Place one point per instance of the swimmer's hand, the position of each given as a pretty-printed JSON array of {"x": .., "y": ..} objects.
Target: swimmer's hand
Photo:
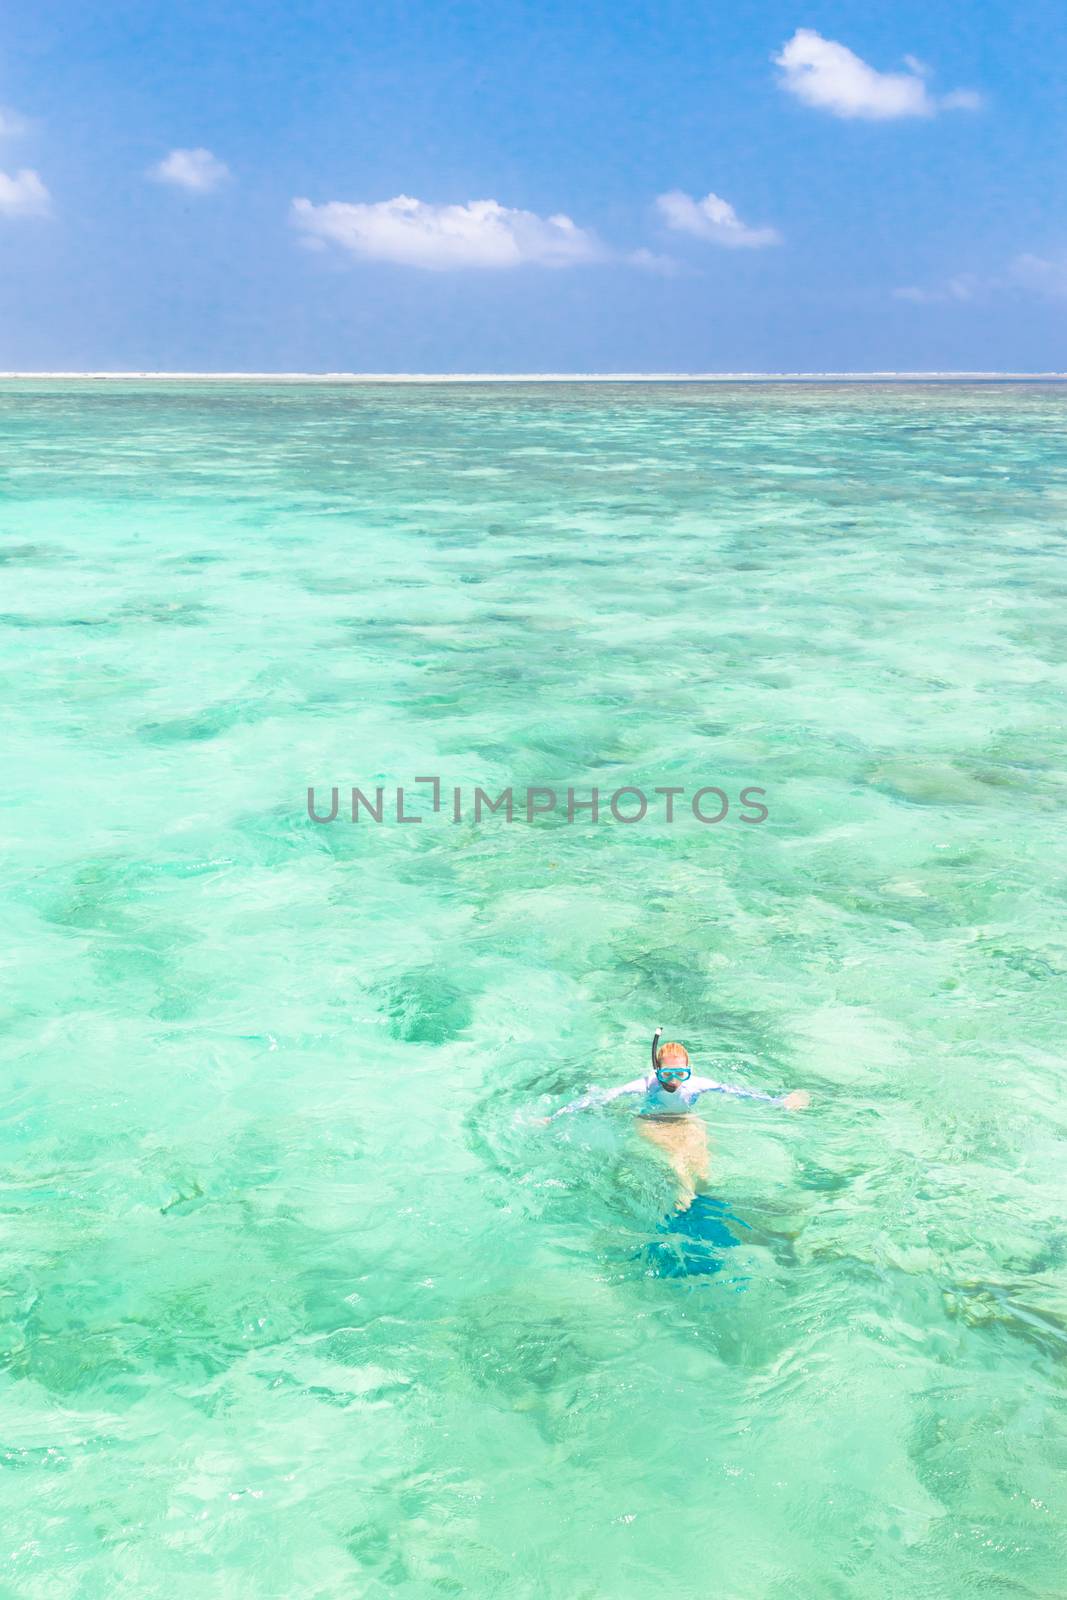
[{"x": 796, "y": 1100}]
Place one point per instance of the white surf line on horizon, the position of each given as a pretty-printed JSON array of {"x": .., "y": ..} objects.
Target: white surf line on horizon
[{"x": 543, "y": 377}]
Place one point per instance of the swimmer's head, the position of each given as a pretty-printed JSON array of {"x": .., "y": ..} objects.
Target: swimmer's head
[
  {"x": 672, "y": 1065},
  {"x": 673, "y": 1052}
]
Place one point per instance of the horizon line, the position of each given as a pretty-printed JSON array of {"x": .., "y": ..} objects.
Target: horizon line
[{"x": 542, "y": 377}]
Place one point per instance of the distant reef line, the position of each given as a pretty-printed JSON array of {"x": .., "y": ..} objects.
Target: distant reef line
[{"x": 542, "y": 377}]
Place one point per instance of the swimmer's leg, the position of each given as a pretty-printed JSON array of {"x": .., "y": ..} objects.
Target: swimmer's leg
[
  {"x": 684, "y": 1141},
  {"x": 699, "y": 1159},
  {"x": 695, "y": 1152}
]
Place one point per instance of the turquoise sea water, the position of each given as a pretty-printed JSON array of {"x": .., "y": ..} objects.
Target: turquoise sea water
[{"x": 298, "y": 1297}]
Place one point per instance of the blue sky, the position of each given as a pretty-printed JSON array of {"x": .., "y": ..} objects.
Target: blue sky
[{"x": 886, "y": 185}]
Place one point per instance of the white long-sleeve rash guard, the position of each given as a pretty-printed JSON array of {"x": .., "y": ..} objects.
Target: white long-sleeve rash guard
[{"x": 657, "y": 1102}]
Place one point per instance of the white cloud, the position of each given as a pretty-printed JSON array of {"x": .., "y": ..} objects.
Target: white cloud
[
  {"x": 1044, "y": 276},
  {"x": 966, "y": 286},
  {"x": 11, "y": 124},
  {"x": 24, "y": 195},
  {"x": 829, "y": 75},
  {"x": 961, "y": 100},
  {"x": 712, "y": 219},
  {"x": 651, "y": 261},
  {"x": 1040, "y": 274},
  {"x": 413, "y": 233},
  {"x": 197, "y": 170}
]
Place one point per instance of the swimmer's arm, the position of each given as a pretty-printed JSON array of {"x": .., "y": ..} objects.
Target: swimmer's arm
[
  {"x": 794, "y": 1101},
  {"x": 600, "y": 1097}
]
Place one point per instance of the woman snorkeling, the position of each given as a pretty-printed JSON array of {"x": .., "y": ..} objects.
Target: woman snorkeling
[{"x": 665, "y": 1114}]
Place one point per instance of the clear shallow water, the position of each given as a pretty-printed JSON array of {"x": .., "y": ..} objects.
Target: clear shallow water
[{"x": 263, "y": 1338}]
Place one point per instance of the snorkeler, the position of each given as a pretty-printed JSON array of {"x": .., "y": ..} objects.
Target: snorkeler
[{"x": 664, "y": 1116}]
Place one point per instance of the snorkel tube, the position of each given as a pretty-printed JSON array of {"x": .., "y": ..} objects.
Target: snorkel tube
[{"x": 655, "y": 1050}]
